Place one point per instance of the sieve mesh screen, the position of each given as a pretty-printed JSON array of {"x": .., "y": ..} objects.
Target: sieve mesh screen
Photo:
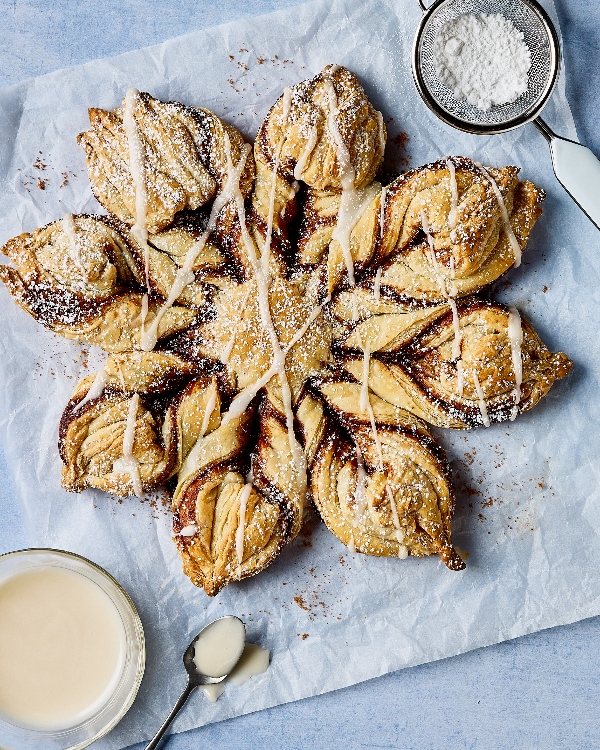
[{"x": 540, "y": 39}]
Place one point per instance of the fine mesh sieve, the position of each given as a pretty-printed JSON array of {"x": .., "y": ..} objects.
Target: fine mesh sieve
[
  {"x": 575, "y": 166},
  {"x": 539, "y": 36}
]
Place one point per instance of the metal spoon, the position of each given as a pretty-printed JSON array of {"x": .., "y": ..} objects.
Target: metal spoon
[{"x": 195, "y": 679}]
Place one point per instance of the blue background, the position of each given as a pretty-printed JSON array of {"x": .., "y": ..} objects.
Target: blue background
[{"x": 535, "y": 692}]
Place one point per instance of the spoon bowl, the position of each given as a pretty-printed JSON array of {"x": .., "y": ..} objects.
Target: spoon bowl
[{"x": 194, "y": 673}]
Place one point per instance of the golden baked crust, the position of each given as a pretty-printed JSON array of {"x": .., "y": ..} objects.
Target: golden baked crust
[
  {"x": 183, "y": 156},
  {"x": 209, "y": 492},
  {"x": 91, "y": 431},
  {"x": 304, "y": 148},
  {"x": 308, "y": 320},
  {"x": 411, "y": 364},
  {"x": 402, "y": 500},
  {"x": 469, "y": 257},
  {"x": 85, "y": 288}
]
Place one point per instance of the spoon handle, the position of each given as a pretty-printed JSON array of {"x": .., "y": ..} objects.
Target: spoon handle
[
  {"x": 577, "y": 169},
  {"x": 153, "y": 744}
]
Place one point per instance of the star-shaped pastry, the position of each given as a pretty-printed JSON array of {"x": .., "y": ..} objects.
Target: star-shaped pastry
[{"x": 281, "y": 326}]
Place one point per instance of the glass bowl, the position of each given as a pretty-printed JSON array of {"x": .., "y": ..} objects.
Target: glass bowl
[{"x": 107, "y": 716}]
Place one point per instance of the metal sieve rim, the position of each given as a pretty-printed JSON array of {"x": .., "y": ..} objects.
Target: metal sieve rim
[{"x": 493, "y": 128}]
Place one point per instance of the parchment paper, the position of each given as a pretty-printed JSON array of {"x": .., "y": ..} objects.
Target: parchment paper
[{"x": 529, "y": 506}]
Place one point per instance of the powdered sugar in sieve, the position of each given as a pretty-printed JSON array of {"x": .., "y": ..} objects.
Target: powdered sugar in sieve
[
  {"x": 483, "y": 59},
  {"x": 509, "y": 68}
]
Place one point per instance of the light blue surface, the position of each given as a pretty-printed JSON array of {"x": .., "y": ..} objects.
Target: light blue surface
[{"x": 535, "y": 692}]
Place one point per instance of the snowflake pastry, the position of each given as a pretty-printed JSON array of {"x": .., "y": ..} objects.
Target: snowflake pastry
[{"x": 280, "y": 326}]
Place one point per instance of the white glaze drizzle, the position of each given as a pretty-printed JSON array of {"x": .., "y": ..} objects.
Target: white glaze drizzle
[
  {"x": 350, "y": 203},
  {"x": 365, "y": 406},
  {"x": 313, "y": 315},
  {"x": 453, "y": 213},
  {"x": 360, "y": 493},
  {"x": 353, "y": 202},
  {"x": 240, "y": 403},
  {"x": 129, "y": 435},
  {"x": 138, "y": 174},
  {"x": 193, "y": 456},
  {"x": 242, "y": 400},
  {"x": 210, "y": 407},
  {"x": 441, "y": 281},
  {"x": 144, "y": 313},
  {"x": 70, "y": 230},
  {"x": 287, "y": 105},
  {"x": 189, "y": 530},
  {"x": 266, "y": 250},
  {"x": 364, "y": 387},
  {"x": 302, "y": 162},
  {"x": 377, "y": 282},
  {"x": 129, "y": 464},
  {"x": 515, "y": 336},
  {"x": 382, "y": 211},
  {"x": 352, "y": 545},
  {"x": 298, "y": 456},
  {"x": 460, "y": 375},
  {"x": 514, "y": 243},
  {"x": 457, "y": 332},
  {"x": 399, "y": 531},
  {"x": 453, "y": 287},
  {"x": 381, "y": 130},
  {"x": 377, "y": 285},
  {"x": 460, "y": 378},
  {"x": 228, "y": 348},
  {"x": 431, "y": 257},
  {"x": 185, "y": 275},
  {"x": 262, "y": 281},
  {"x": 482, "y": 407},
  {"x": 239, "y": 534},
  {"x": 121, "y": 377},
  {"x": 96, "y": 389},
  {"x": 350, "y": 210}
]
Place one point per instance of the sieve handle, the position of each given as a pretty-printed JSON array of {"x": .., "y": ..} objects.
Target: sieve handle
[
  {"x": 423, "y": 6},
  {"x": 577, "y": 169}
]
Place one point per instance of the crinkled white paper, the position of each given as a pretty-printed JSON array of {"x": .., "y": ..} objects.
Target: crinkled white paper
[{"x": 529, "y": 505}]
